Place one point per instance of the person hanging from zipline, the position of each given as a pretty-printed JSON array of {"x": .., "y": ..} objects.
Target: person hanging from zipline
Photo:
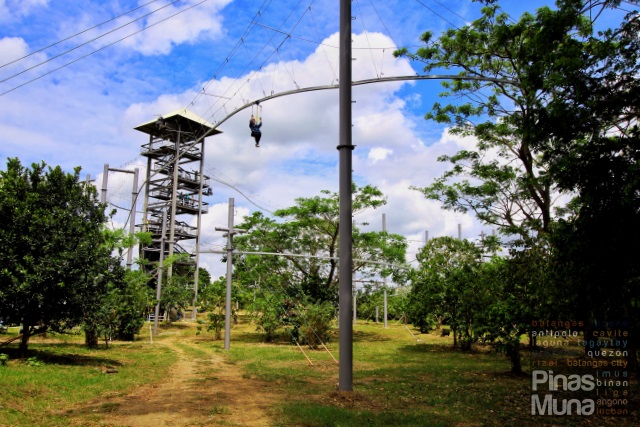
[
  {"x": 255, "y": 129},
  {"x": 255, "y": 125}
]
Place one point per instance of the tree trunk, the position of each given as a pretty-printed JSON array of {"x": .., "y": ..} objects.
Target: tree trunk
[
  {"x": 24, "y": 342},
  {"x": 513, "y": 351},
  {"x": 533, "y": 341},
  {"x": 91, "y": 338}
]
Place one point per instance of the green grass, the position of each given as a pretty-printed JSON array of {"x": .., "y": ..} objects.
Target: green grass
[
  {"x": 68, "y": 373},
  {"x": 397, "y": 381}
]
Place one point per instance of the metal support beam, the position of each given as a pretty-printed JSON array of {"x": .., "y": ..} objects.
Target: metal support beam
[
  {"x": 132, "y": 217},
  {"x": 345, "y": 148},
  {"x": 384, "y": 230},
  {"x": 105, "y": 179},
  {"x": 230, "y": 233},
  {"x": 134, "y": 199},
  {"x": 174, "y": 200},
  {"x": 227, "y": 304},
  {"x": 385, "y": 308},
  {"x": 355, "y": 288},
  {"x": 159, "y": 283},
  {"x": 145, "y": 206},
  {"x": 286, "y": 254},
  {"x": 196, "y": 274}
]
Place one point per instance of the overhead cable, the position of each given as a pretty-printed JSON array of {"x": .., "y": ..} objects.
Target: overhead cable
[
  {"x": 86, "y": 43},
  {"x": 103, "y": 47},
  {"x": 77, "y": 34}
]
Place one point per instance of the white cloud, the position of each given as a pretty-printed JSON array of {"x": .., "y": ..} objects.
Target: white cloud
[
  {"x": 15, "y": 9},
  {"x": 86, "y": 115},
  {"x": 12, "y": 48},
  {"x": 378, "y": 153},
  {"x": 298, "y": 155},
  {"x": 15, "y": 58},
  {"x": 203, "y": 21}
]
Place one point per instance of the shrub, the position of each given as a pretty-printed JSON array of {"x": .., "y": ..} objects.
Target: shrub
[{"x": 316, "y": 323}]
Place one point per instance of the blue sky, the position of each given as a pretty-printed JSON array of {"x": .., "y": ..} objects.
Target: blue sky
[{"x": 83, "y": 113}]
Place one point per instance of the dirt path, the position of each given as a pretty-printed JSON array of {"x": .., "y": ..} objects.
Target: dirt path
[{"x": 198, "y": 392}]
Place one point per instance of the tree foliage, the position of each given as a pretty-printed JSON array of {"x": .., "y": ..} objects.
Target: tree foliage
[
  {"x": 311, "y": 228},
  {"x": 555, "y": 112},
  {"x": 289, "y": 288},
  {"x": 548, "y": 80},
  {"x": 118, "y": 311},
  {"x": 518, "y": 292},
  {"x": 212, "y": 302},
  {"x": 596, "y": 249},
  {"x": 446, "y": 285},
  {"x": 50, "y": 244},
  {"x": 369, "y": 298}
]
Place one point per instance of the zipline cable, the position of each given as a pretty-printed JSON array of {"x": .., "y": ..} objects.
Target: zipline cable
[
  {"x": 87, "y": 42},
  {"x": 77, "y": 34},
  {"x": 366, "y": 36},
  {"x": 103, "y": 47}
]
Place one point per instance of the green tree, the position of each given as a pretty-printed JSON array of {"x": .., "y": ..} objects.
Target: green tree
[
  {"x": 311, "y": 227},
  {"x": 512, "y": 300},
  {"x": 316, "y": 322},
  {"x": 368, "y": 298},
  {"x": 133, "y": 298},
  {"x": 267, "y": 311},
  {"x": 212, "y": 302},
  {"x": 176, "y": 295},
  {"x": 118, "y": 312},
  {"x": 561, "y": 117},
  {"x": 204, "y": 278},
  {"x": 397, "y": 303},
  {"x": 292, "y": 292},
  {"x": 596, "y": 249},
  {"x": 49, "y": 247},
  {"x": 546, "y": 69},
  {"x": 446, "y": 285},
  {"x": 594, "y": 155}
]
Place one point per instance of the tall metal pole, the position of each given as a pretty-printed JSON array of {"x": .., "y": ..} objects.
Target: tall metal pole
[
  {"x": 227, "y": 305},
  {"x": 345, "y": 374},
  {"x": 385, "y": 308},
  {"x": 145, "y": 206},
  {"x": 196, "y": 274},
  {"x": 159, "y": 284},
  {"x": 132, "y": 223},
  {"x": 384, "y": 229},
  {"x": 174, "y": 201},
  {"x": 105, "y": 179},
  {"x": 87, "y": 184},
  {"x": 355, "y": 288}
]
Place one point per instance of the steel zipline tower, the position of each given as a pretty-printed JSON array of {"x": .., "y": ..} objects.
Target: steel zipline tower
[{"x": 176, "y": 185}]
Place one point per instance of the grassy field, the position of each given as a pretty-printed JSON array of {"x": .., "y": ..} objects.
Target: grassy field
[
  {"x": 60, "y": 371},
  {"x": 398, "y": 380}
]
